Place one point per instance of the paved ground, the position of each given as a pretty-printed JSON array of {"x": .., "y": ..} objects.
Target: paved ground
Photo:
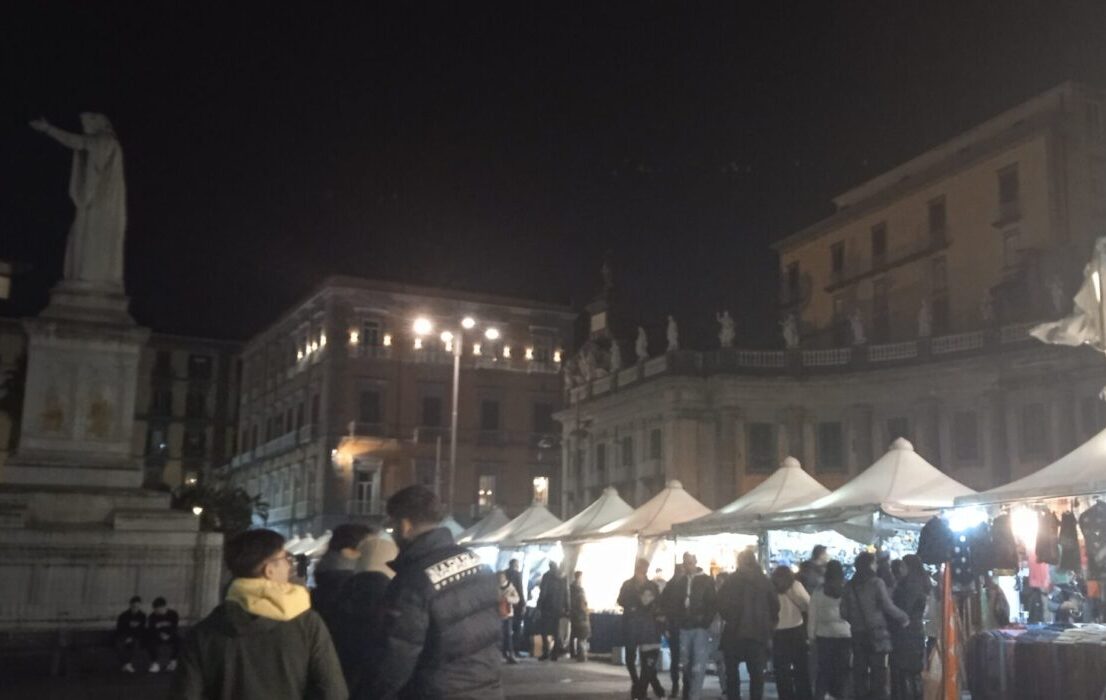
[{"x": 530, "y": 679}]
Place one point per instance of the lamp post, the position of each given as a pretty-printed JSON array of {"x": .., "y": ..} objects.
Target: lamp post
[{"x": 456, "y": 340}]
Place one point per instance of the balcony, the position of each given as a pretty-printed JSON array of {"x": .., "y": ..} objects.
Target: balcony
[
  {"x": 924, "y": 242},
  {"x": 364, "y": 508},
  {"x": 375, "y": 352}
]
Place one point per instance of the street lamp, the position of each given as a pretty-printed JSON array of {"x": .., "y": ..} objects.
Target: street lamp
[{"x": 454, "y": 340}]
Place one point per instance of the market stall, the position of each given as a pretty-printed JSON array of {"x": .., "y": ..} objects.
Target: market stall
[
  {"x": 717, "y": 537},
  {"x": 509, "y": 541},
  {"x": 884, "y": 505},
  {"x": 605, "y": 509},
  {"x": 491, "y": 522},
  {"x": 1041, "y": 541}
]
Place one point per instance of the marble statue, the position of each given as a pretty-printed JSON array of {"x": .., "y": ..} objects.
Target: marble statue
[
  {"x": 1083, "y": 326},
  {"x": 726, "y": 331},
  {"x": 673, "y": 335},
  {"x": 856, "y": 324},
  {"x": 616, "y": 357},
  {"x": 925, "y": 320},
  {"x": 790, "y": 326},
  {"x": 94, "y": 251},
  {"x": 641, "y": 345},
  {"x": 1056, "y": 293},
  {"x": 987, "y": 307}
]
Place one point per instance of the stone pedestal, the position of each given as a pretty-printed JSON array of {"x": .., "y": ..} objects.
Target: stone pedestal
[{"x": 78, "y": 536}]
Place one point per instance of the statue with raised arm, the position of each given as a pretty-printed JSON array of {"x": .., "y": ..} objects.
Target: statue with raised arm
[
  {"x": 94, "y": 251},
  {"x": 673, "y": 335},
  {"x": 790, "y": 327},
  {"x": 856, "y": 324},
  {"x": 641, "y": 345},
  {"x": 616, "y": 357},
  {"x": 925, "y": 320},
  {"x": 726, "y": 331}
]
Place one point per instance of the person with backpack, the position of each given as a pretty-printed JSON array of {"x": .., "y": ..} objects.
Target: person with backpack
[{"x": 508, "y": 599}]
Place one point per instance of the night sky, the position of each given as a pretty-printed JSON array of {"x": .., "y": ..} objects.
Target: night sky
[{"x": 494, "y": 147}]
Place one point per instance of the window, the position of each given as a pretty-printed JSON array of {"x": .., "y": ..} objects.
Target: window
[
  {"x": 897, "y": 427},
  {"x": 485, "y": 493},
  {"x": 163, "y": 364},
  {"x": 195, "y": 404},
  {"x": 942, "y": 321},
  {"x": 937, "y": 219},
  {"x": 831, "y": 447},
  {"x": 1011, "y": 248},
  {"x": 366, "y": 484},
  {"x": 543, "y": 418},
  {"x": 541, "y": 490},
  {"x": 431, "y": 412},
  {"x": 762, "y": 447},
  {"x": 881, "y": 311},
  {"x": 424, "y": 473},
  {"x": 1008, "y": 185},
  {"x": 199, "y": 367},
  {"x": 655, "y": 443},
  {"x": 161, "y": 402},
  {"x": 370, "y": 334},
  {"x": 939, "y": 274},
  {"x": 879, "y": 243},
  {"x": 965, "y": 437},
  {"x": 1034, "y": 430},
  {"x": 837, "y": 258},
  {"x": 793, "y": 281},
  {"x": 368, "y": 407},
  {"x": 489, "y": 414},
  {"x": 600, "y": 457},
  {"x": 627, "y": 451}
]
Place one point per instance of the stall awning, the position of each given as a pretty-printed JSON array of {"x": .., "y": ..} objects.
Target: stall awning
[
  {"x": 898, "y": 490},
  {"x": 655, "y": 517},
  {"x": 491, "y": 522},
  {"x": 531, "y": 522},
  {"x": 788, "y": 487},
  {"x": 606, "y": 509},
  {"x": 1080, "y": 472}
]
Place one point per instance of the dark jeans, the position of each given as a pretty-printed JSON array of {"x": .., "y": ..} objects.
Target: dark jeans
[
  {"x": 508, "y": 632},
  {"x": 650, "y": 661},
  {"x": 834, "y": 660},
  {"x": 790, "y": 662},
  {"x": 674, "y": 652},
  {"x": 126, "y": 647},
  {"x": 754, "y": 655},
  {"x": 517, "y": 632},
  {"x": 869, "y": 671},
  {"x": 156, "y": 646},
  {"x": 906, "y": 685}
]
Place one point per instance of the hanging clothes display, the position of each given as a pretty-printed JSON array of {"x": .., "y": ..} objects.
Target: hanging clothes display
[
  {"x": 1069, "y": 543},
  {"x": 961, "y": 561},
  {"x": 1004, "y": 548},
  {"x": 936, "y": 542},
  {"x": 1048, "y": 539},
  {"x": 981, "y": 549},
  {"x": 1093, "y": 524}
]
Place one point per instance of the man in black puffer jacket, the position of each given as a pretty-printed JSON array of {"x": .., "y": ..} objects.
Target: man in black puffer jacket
[{"x": 441, "y": 612}]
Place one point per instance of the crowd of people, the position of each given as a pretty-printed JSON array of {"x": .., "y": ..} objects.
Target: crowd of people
[
  {"x": 864, "y": 638},
  {"x": 416, "y": 616}
]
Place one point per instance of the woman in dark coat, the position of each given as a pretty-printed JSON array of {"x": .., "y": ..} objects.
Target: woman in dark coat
[
  {"x": 908, "y": 644},
  {"x": 640, "y": 630},
  {"x": 552, "y": 606},
  {"x": 871, "y": 615}
]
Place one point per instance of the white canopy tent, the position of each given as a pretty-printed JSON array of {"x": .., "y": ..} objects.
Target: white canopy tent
[
  {"x": 491, "y": 522},
  {"x": 530, "y": 523},
  {"x": 655, "y": 517},
  {"x": 899, "y": 491},
  {"x": 606, "y": 509},
  {"x": 1080, "y": 472},
  {"x": 787, "y": 488},
  {"x": 450, "y": 523}
]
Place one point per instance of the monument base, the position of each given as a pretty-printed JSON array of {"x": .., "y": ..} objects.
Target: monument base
[{"x": 72, "y": 557}]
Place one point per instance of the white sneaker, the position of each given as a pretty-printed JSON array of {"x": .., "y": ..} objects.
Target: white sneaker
[
  {"x": 171, "y": 666},
  {"x": 128, "y": 668},
  {"x": 155, "y": 667}
]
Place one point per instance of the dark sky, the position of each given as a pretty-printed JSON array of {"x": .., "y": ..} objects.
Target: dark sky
[{"x": 496, "y": 147}]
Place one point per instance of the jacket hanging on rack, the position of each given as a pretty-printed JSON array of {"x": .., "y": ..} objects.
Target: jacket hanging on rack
[
  {"x": 1093, "y": 524},
  {"x": 936, "y": 542},
  {"x": 1048, "y": 540},
  {"x": 1004, "y": 549},
  {"x": 1069, "y": 544}
]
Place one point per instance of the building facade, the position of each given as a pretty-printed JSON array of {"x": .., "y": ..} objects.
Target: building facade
[
  {"x": 913, "y": 303},
  {"x": 185, "y": 403},
  {"x": 993, "y": 225},
  {"x": 343, "y": 403}
]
